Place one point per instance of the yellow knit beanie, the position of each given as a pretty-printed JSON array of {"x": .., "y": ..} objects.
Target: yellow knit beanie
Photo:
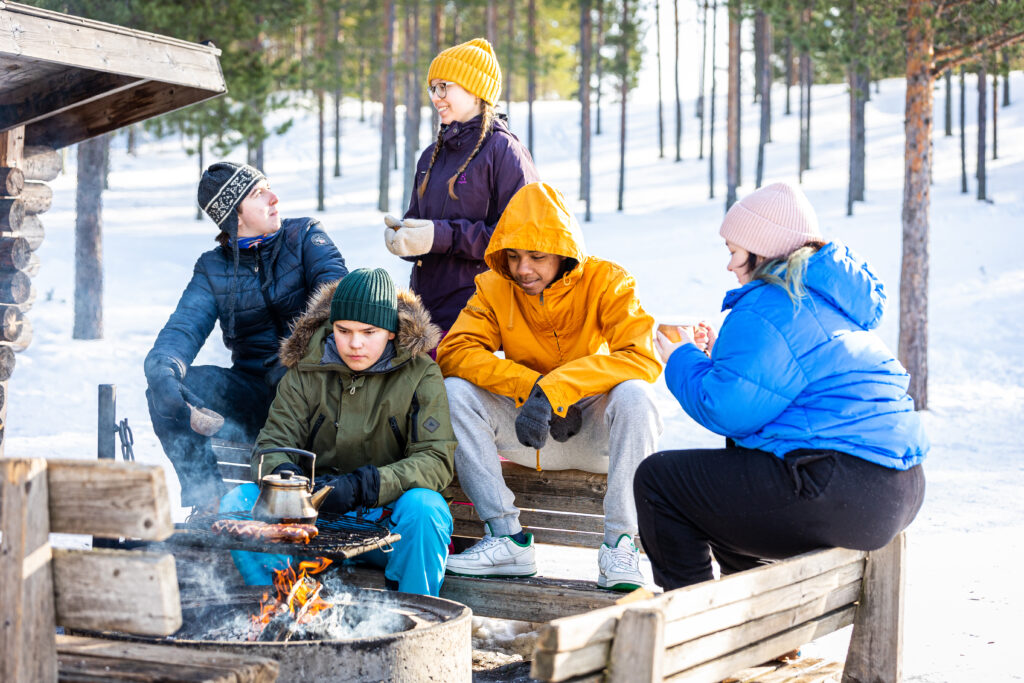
[{"x": 473, "y": 66}]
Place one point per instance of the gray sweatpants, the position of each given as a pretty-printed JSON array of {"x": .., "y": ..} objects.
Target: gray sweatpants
[{"x": 620, "y": 429}]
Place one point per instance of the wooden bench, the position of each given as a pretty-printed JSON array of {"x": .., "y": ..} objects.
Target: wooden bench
[
  {"x": 42, "y": 587},
  {"x": 711, "y": 630},
  {"x": 559, "y": 507}
]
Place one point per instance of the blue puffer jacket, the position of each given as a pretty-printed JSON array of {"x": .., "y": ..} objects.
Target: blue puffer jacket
[
  {"x": 290, "y": 268},
  {"x": 783, "y": 377}
]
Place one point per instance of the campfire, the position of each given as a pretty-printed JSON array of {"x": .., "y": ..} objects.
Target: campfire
[{"x": 297, "y": 605}]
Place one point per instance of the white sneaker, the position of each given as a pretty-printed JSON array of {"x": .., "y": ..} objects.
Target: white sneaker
[
  {"x": 495, "y": 556},
  {"x": 619, "y": 566}
]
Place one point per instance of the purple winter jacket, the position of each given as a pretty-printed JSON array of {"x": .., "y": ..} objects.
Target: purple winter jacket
[{"x": 462, "y": 228}]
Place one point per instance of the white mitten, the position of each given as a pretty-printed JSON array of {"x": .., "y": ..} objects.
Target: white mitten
[
  {"x": 392, "y": 222},
  {"x": 414, "y": 238}
]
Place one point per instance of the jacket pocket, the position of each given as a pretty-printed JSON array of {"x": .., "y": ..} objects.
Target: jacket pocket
[{"x": 397, "y": 432}]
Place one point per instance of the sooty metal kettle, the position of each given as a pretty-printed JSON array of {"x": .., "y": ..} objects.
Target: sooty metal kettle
[{"x": 287, "y": 498}]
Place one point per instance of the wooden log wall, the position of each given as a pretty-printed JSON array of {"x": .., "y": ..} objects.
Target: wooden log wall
[{"x": 24, "y": 194}]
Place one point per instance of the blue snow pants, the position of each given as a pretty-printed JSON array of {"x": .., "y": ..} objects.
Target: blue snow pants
[{"x": 420, "y": 516}]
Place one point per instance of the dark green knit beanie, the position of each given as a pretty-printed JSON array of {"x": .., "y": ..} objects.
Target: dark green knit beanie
[{"x": 367, "y": 296}]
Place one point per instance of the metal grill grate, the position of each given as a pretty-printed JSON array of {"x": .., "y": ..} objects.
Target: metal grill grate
[{"x": 339, "y": 537}]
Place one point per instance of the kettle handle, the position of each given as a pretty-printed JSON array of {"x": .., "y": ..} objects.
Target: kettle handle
[{"x": 311, "y": 457}]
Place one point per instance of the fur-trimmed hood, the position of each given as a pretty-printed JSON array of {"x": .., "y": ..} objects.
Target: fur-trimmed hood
[{"x": 416, "y": 333}]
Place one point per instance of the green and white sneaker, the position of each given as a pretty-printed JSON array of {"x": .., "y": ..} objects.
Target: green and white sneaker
[
  {"x": 495, "y": 557},
  {"x": 619, "y": 567}
]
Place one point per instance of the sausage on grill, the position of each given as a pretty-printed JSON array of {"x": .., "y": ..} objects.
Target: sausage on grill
[{"x": 253, "y": 530}]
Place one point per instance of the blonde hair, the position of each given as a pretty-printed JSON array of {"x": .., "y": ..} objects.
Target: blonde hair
[
  {"x": 486, "y": 125},
  {"x": 788, "y": 271}
]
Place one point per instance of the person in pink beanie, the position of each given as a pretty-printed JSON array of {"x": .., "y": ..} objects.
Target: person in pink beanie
[{"x": 823, "y": 446}]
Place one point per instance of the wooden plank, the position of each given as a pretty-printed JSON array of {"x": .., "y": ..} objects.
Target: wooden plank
[
  {"x": 585, "y": 505},
  {"x": 12, "y": 147},
  {"x": 112, "y": 660},
  {"x": 133, "y": 592},
  {"x": 639, "y": 647},
  {"x": 151, "y": 98},
  {"x": 35, "y": 34},
  {"x": 803, "y": 670},
  {"x": 766, "y": 649},
  {"x": 42, "y": 98},
  {"x": 110, "y": 499},
  {"x": 564, "y": 483},
  {"x": 561, "y": 666},
  {"x": 840, "y": 584},
  {"x": 876, "y": 646},
  {"x": 698, "y": 651},
  {"x": 540, "y": 518},
  {"x": 27, "y": 652},
  {"x": 574, "y": 632},
  {"x": 554, "y": 537}
]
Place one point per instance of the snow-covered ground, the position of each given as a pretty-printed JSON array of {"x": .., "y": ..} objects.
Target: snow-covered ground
[{"x": 965, "y": 549}]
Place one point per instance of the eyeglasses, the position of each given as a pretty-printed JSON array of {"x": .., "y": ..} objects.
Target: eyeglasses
[{"x": 440, "y": 89}]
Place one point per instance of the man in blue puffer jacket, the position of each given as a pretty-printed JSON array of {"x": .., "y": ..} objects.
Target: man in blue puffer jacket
[
  {"x": 825, "y": 448},
  {"x": 256, "y": 282}
]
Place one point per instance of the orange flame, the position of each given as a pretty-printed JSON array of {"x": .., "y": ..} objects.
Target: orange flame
[{"x": 298, "y": 594}]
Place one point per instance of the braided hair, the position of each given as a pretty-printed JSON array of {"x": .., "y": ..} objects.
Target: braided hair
[{"x": 486, "y": 125}]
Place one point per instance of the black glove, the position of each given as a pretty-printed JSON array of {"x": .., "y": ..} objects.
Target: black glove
[
  {"x": 564, "y": 428},
  {"x": 352, "y": 490},
  {"x": 169, "y": 397},
  {"x": 533, "y": 419}
]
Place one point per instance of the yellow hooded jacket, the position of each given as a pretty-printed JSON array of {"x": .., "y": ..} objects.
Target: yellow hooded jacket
[{"x": 585, "y": 333}]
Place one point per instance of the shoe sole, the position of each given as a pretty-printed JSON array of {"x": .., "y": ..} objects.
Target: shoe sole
[
  {"x": 620, "y": 587},
  {"x": 491, "y": 576}
]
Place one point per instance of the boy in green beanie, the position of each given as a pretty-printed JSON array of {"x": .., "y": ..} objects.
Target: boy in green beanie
[{"x": 362, "y": 393}]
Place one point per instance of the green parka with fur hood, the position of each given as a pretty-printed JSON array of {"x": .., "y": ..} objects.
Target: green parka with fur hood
[{"x": 393, "y": 415}]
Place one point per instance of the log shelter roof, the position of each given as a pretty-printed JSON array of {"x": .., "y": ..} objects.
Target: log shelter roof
[{"x": 67, "y": 78}]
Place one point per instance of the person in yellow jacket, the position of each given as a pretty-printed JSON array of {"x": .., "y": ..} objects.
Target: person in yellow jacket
[{"x": 577, "y": 364}]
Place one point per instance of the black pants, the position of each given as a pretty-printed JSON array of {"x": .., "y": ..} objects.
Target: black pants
[
  {"x": 244, "y": 401},
  {"x": 749, "y": 507}
]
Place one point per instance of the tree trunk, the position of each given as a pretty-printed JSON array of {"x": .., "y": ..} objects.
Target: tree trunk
[
  {"x": 89, "y": 240},
  {"x": 995, "y": 112},
  {"x": 510, "y": 54},
  {"x": 679, "y": 95},
  {"x": 711, "y": 119},
  {"x": 623, "y": 96},
  {"x": 492, "y": 22},
  {"x": 789, "y": 72},
  {"x": 586, "y": 33},
  {"x": 949, "y": 103},
  {"x": 337, "y": 93},
  {"x": 732, "y": 154},
  {"x": 700, "y": 78},
  {"x": 133, "y": 140},
  {"x": 435, "y": 47},
  {"x": 413, "y": 103},
  {"x": 763, "y": 49},
  {"x": 804, "y": 101},
  {"x": 661, "y": 118},
  {"x": 599, "y": 66},
  {"x": 982, "y": 120},
  {"x": 1006, "y": 79},
  {"x": 913, "y": 341},
  {"x": 362, "y": 88},
  {"x": 387, "y": 117},
  {"x": 531, "y": 69},
  {"x": 321, "y": 150},
  {"x": 963, "y": 134}
]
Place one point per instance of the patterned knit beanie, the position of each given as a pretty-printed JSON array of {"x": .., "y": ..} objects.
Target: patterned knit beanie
[
  {"x": 473, "y": 66},
  {"x": 771, "y": 222},
  {"x": 221, "y": 190},
  {"x": 367, "y": 296}
]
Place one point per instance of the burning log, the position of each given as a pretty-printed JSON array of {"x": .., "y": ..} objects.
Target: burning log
[
  {"x": 296, "y": 605},
  {"x": 12, "y": 180}
]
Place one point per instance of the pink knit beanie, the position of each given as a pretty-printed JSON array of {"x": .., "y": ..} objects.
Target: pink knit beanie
[{"x": 771, "y": 222}]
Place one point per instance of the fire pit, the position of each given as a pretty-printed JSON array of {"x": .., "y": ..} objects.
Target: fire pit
[{"x": 329, "y": 631}]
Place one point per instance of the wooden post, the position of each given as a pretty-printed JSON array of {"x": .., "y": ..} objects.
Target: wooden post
[
  {"x": 876, "y": 647},
  {"x": 27, "y": 647},
  {"x": 107, "y": 419},
  {"x": 639, "y": 647}
]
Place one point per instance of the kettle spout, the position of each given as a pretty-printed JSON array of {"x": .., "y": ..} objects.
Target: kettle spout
[{"x": 317, "y": 499}]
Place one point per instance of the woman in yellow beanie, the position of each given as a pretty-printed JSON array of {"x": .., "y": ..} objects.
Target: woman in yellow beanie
[{"x": 464, "y": 180}]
